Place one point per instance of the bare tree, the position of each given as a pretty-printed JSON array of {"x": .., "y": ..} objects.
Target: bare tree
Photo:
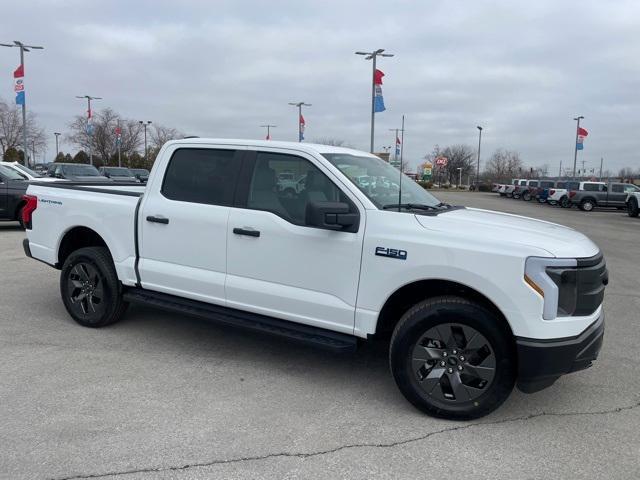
[
  {"x": 503, "y": 165},
  {"x": 103, "y": 140},
  {"x": 161, "y": 135},
  {"x": 334, "y": 142},
  {"x": 11, "y": 130},
  {"x": 458, "y": 156}
]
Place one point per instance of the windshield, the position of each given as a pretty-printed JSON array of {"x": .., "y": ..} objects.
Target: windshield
[
  {"x": 380, "y": 182},
  {"x": 10, "y": 174},
  {"x": 81, "y": 170},
  {"x": 27, "y": 170},
  {"x": 119, "y": 172},
  {"x": 140, "y": 171}
]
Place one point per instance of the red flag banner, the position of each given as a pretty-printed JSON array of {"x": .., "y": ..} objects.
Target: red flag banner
[
  {"x": 582, "y": 132},
  {"x": 377, "y": 77}
]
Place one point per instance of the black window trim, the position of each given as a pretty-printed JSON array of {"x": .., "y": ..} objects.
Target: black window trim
[
  {"x": 243, "y": 185},
  {"x": 239, "y": 157}
]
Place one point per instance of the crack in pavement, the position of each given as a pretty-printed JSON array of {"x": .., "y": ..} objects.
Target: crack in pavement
[{"x": 346, "y": 447}]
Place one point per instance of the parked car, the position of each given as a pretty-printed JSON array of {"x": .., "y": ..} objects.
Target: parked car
[
  {"x": 25, "y": 172},
  {"x": 13, "y": 186},
  {"x": 76, "y": 172},
  {"x": 529, "y": 190},
  {"x": 510, "y": 301},
  {"x": 118, "y": 174},
  {"x": 633, "y": 203},
  {"x": 596, "y": 194},
  {"x": 542, "y": 192},
  {"x": 142, "y": 174},
  {"x": 559, "y": 194}
]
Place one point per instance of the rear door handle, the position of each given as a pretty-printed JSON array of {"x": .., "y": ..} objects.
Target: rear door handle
[
  {"x": 154, "y": 219},
  {"x": 244, "y": 231}
]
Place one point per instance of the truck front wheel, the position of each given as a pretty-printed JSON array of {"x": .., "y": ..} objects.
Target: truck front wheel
[
  {"x": 452, "y": 358},
  {"x": 90, "y": 289},
  {"x": 632, "y": 207}
]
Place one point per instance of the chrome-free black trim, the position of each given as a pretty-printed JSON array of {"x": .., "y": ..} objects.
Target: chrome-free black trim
[
  {"x": 136, "y": 267},
  {"x": 327, "y": 339},
  {"x": 542, "y": 362},
  {"x": 88, "y": 187}
]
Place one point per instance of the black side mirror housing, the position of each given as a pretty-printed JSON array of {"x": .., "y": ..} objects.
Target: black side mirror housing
[{"x": 332, "y": 216}]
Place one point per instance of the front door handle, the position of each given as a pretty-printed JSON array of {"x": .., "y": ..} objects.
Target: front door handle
[
  {"x": 244, "y": 231},
  {"x": 154, "y": 219}
]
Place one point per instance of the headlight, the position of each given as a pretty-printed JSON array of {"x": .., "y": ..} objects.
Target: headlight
[{"x": 555, "y": 280}]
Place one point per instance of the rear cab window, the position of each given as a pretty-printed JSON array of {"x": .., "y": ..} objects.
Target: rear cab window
[{"x": 202, "y": 175}]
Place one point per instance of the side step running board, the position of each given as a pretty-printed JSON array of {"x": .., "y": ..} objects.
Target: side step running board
[{"x": 327, "y": 339}]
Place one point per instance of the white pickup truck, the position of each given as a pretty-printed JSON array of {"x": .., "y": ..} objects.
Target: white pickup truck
[
  {"x": 633, "y": 203},
  {"x": 471, "y": 301}
]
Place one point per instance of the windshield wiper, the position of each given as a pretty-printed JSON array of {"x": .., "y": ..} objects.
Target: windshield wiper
[
  {"x": 409, "y": 206},
  {"x": 444, "y": 205}
]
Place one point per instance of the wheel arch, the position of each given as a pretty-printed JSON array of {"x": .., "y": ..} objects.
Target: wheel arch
[
  {"x": 408, "y": 295},
  {"x": 75, "y": 238},
  {"x": 19, "y": 205}
]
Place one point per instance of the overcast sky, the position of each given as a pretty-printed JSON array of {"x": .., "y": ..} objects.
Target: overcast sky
[{"x": 221, "y": 69}]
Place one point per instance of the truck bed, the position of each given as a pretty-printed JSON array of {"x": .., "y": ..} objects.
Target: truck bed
[{"x": 109, "y": 210}]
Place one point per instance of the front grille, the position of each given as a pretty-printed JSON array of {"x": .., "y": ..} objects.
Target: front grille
[{"x": 592, "y": 277}]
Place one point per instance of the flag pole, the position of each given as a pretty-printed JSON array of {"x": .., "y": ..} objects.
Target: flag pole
[{"x": 575, "y": 151}]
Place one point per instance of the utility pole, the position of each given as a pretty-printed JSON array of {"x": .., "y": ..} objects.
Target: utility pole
[
  {"x": 300, "y": 122},
  {"x": 601, "y": 162},
  {"x": 583, "y": 168},
  {"x": 401, "y": 145},
  {"x": 20, "y": 88},
  {"x": 33, "y": 149},
  {"x": 145, "y": 124},
  {"x": 575, "y": 146},
  {"x": 89, "y": 123},
  {"x": 373, "y": 56},
  {"x": 57, "y": 134},
  {"x": 119, "y": 142},
  {"x": 269, "y": 127},
  {"x": 478, "y": 166},
  {"x": 560, "y": 170}
]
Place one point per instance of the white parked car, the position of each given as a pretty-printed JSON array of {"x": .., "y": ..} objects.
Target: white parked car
[
  {"x": 472, "y": 302},
  {"x": 26, "y": 172},
  {"x": 559, "y": 194}
]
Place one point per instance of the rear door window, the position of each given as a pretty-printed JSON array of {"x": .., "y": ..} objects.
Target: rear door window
[
  {"x": 617, "y": 188},
  {"x": 592, "y": 187},
  {"x": 202, "y": 175}
]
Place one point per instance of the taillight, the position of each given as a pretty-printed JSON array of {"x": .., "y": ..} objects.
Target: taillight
[
  {"x": 572, "y": 193},
  {"x": 28, "y": 209},
  {"x": 552, "y": 192}
]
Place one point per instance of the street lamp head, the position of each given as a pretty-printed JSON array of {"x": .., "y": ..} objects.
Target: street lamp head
[
  {"x": 479, "y": 127},
  {"x": 357, "y": 53},
  {"x": 579, "y": 118}
]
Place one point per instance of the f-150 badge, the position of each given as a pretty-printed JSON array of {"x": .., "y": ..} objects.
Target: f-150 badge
[{"x": 391, "y": 253}]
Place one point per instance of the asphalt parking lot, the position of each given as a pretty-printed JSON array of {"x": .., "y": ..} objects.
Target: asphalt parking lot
[{"x": 163, "y": 396}]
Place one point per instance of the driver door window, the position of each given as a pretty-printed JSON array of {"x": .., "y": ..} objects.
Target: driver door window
[{"x": 286, "y": 184}]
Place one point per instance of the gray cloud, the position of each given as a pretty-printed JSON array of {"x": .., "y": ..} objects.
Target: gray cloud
[{"x": 223, "y": 68}]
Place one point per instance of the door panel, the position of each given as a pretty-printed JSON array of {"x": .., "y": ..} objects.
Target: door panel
[
  {"x": 183, "y": 224},
  {"x": 292, "y": 271}
]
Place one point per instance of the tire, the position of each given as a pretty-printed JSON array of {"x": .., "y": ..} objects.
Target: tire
[
  {"x": 526, "y": 197},
  {"x": 90, "y": 289},
  {"x": 632, "y": 207},
  {"x": 475, "y": 380},
  {"x": 542, "y": 200},
  {"x": 587, "y": 205},
  {"x": 565, "y": 202},
  {"x": 516, "y": 196}
]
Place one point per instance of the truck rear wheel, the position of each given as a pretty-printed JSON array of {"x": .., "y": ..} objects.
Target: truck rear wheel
[
  {"x": 632, "y": 207},
  {"x": 90, "y": 289},
  {"x": 565, "y": 202},
  {"x": 587, "y": 205},
  {"x": 452, "y": 358}
]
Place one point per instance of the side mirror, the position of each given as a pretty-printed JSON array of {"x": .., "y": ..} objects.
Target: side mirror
[{"x": 332, "y": 216}]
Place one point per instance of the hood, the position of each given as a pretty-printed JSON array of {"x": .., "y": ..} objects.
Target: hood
[{"x": 504, "y": 228}]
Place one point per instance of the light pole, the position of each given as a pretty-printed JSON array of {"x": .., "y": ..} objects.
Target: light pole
[
  {"x": 459, "y": 177},
  {"x": 373, "y": 56},
  {"x": 23, "y": 48},
  {"x": 300, "y": 118},
  {"x": 145, "y": 124},
  {"x": 57, "y": 134},
  {"x": 478, "y": 166},
  {"x": 89, "y": 124},
  {"x": 268, "y": 127},
  {"x": 575, "y": 146}
]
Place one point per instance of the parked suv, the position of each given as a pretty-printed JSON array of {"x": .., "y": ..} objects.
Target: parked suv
[
  {"x": 12, "y": 187},
  {"x": 76, "y": 172},
  {"x": 118, "y": 174},
  {"x": 596, "y": 194}
]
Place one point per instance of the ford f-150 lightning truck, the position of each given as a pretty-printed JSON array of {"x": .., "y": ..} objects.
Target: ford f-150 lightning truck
[{"x": 472, "y": 302}]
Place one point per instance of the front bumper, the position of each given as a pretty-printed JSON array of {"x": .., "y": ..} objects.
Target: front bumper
[{"x": 542, "y": 362}]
